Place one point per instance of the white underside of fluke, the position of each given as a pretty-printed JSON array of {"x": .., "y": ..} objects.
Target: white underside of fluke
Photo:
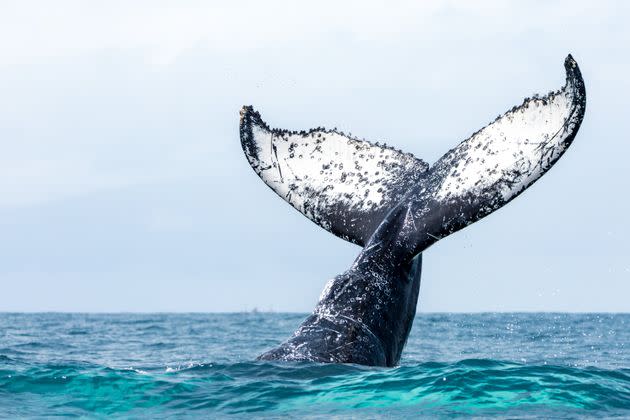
[
  {"x": 347, "y": 185},
  {"x": 335, "y": 167},
  {"x": 513, "y": 151}
]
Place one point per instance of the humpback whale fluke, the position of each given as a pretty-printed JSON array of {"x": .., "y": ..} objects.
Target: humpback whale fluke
[{"x": 396, "y": 206}]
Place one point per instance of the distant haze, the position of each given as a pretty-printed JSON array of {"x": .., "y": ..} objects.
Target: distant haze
[{"x": 123, "y": 186}]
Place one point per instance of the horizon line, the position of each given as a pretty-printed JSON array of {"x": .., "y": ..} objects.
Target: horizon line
[{"x": 258, "y": 311}]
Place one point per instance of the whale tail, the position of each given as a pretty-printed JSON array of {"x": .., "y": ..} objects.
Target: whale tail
[
  {"x": 349, "y": 186},
  {"x": 396, "y": 206}
]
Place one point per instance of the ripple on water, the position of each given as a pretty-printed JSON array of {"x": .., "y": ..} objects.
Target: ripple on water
[{"x": 455, "y": 366}]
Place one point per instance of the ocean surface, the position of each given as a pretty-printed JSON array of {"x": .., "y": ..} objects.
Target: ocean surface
[{"x": 189, "y": 365}]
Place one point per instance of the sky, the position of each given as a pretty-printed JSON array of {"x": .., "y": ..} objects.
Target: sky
[{"x": 123, "y": 186}]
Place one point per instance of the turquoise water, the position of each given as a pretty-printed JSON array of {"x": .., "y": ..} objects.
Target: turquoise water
[{"x": 455, "y": 365}]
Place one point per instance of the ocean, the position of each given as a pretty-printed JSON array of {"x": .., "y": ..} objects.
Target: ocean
[{"x": 507, "y": 365}]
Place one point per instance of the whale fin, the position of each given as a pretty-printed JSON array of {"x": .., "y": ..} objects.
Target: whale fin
[{"x": 341, "y": 183}]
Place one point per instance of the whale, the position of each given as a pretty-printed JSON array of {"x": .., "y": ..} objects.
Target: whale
[{"x": 395, "y": 206}]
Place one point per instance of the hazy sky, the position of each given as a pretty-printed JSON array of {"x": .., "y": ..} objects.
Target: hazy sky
[{"x": 123, "y": 186}]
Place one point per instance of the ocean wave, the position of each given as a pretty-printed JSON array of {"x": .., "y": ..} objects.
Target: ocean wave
[
  {"x": 187, "y": 365},
  {"x": 466, "y": 387}
]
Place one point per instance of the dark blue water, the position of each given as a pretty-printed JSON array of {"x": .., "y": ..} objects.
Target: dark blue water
[{"x": 164, "y": 365}]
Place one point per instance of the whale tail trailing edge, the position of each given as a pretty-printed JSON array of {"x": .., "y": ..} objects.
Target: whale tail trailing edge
[{"x": 348, "y": 186}]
